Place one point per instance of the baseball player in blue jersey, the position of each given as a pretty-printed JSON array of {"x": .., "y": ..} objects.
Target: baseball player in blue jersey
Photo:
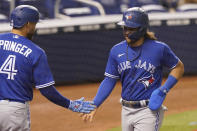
[
  {"x": 138, "y": 62},
  {"x": 23, "y": 65}
]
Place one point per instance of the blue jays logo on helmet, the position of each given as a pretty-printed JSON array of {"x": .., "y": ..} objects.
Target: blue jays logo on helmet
[
  {"x": 23, "y": 14},
  {"x": 128, "y": 17},
  {"x": 147, "y": 81}
]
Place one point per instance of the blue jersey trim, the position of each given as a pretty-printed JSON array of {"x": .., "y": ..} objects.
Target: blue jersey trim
[
  {"x": 45, "y": 85},
  {"x": 111, "y": 76}
]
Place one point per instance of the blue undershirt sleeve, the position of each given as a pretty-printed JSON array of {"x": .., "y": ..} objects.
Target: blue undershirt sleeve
[
  {"x": 105, "y": 88},
  {"x": 54, "y": 96}
]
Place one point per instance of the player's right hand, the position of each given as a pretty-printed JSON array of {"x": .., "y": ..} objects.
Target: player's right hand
[
  {"x": 81, "y": 106},
  {"x": 88, "y": 117}
]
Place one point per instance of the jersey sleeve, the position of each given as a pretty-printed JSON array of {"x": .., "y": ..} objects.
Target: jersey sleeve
[
  {"x": 169, "y": 58},
  {"x": 111, "y": 68},
  {"x": 41, "y": 74}
]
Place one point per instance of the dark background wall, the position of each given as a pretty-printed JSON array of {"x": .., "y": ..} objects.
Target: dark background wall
[{"x": 81, "y": 56}]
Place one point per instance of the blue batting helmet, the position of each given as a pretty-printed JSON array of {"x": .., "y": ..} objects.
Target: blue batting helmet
[
  {"x": 23, "y": 14},
  {"x": 135, "y": 17}
]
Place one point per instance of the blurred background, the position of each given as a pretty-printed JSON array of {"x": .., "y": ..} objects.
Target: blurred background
[{"x": 78, "y": 34}]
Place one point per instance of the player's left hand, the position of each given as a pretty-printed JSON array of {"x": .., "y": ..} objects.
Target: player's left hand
[
  {"x": 88, "y": 117},
  {"x": 156, "y": 99},
  {"x": 81, "y": 106}
]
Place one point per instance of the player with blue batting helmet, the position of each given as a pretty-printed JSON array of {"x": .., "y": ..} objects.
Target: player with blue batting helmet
[
  {"x": 24, "y": 65},
  {"x": 138, "y": 62},
  {"x": 23, "y": 14}
]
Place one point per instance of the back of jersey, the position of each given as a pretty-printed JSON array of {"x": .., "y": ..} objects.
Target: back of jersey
[{"x": 17, "y": 58}]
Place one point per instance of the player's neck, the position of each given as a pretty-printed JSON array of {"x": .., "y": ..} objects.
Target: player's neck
[
  {"x": 137, "y": 43},
  {"x": 19, "y": 32}
]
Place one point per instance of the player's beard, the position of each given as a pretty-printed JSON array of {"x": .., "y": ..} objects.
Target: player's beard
[
  {"x": 31, "y": 30},
  {"x": 129, "y": 41}
]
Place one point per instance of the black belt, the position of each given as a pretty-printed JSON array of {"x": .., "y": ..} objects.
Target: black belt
[{"x": 134, "y": 104}]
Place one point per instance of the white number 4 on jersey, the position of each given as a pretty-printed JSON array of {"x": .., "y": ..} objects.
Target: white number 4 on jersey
[{"x": 8, "y": 67}]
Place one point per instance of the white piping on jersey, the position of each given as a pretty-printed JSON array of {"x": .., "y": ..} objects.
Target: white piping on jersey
[
  {"x": 45, "y": 85},
  {"x": 111, "y": 76}
]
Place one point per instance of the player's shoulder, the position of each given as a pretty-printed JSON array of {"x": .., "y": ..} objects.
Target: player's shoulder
[
  {"x": 156, "y": 43},
  {"x": 118, "y": 47},
  {"x": 3, "y": 35},
  {"x": 121, "y": 44},
  {"x": 36, "y": 48}
]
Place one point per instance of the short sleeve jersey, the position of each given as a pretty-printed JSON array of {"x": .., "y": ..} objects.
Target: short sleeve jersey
[
  {"x": 139, "y": 68},
  {"x": 23, "y": 65}
]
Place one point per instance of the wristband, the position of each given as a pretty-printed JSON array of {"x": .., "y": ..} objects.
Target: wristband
[{"x": 170, "y": 82}]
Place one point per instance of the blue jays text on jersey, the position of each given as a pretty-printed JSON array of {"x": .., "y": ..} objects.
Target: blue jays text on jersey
[
  {"x": 23, "y": 65},
  {"x": 127, "y": 64},
  {"x": 139, "y": 68}
]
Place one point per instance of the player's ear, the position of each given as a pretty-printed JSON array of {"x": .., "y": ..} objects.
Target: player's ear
[
  {"x": 31, "y": 24},
  {"x": 28, "y": 24}
]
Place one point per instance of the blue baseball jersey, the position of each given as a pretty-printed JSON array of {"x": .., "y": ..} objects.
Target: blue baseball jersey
[
  {"x": 23, "y": 65},
  {"x": 139, "y": 68}
]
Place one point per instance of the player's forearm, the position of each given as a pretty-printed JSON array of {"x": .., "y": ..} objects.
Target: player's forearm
[
  {"x": 54, "y": 96},
  {"x": 174, "y": 76},
  {"x": 106, "y": 87}
]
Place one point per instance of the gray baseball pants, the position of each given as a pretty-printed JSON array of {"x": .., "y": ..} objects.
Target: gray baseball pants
[
  {"x": 14, "y": 116},
  {"x": 141, "y": 119}
]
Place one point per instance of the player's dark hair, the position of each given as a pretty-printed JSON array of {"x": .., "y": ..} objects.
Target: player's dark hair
[
  {"x": 19, "y": 27},
  {"x": 150, "y": 35},
  {"x": 16, "y": 28}
]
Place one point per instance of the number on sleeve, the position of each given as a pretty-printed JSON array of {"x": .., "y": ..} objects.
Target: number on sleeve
[{"x": 8, "y": 67}]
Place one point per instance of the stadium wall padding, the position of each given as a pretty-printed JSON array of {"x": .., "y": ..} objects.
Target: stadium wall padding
[{"x": 81, "y": 56}]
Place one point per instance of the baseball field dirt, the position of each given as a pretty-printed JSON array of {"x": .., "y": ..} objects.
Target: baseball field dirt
[{"x": 46, "y": 116}]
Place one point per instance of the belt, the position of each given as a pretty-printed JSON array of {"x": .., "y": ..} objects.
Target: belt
[
  {"x": 134, "y": 104},
  {"x": 11, "y": 100}
]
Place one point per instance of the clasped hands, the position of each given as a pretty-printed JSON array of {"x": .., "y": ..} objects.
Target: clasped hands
[{"x": 86, "y": 109}]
